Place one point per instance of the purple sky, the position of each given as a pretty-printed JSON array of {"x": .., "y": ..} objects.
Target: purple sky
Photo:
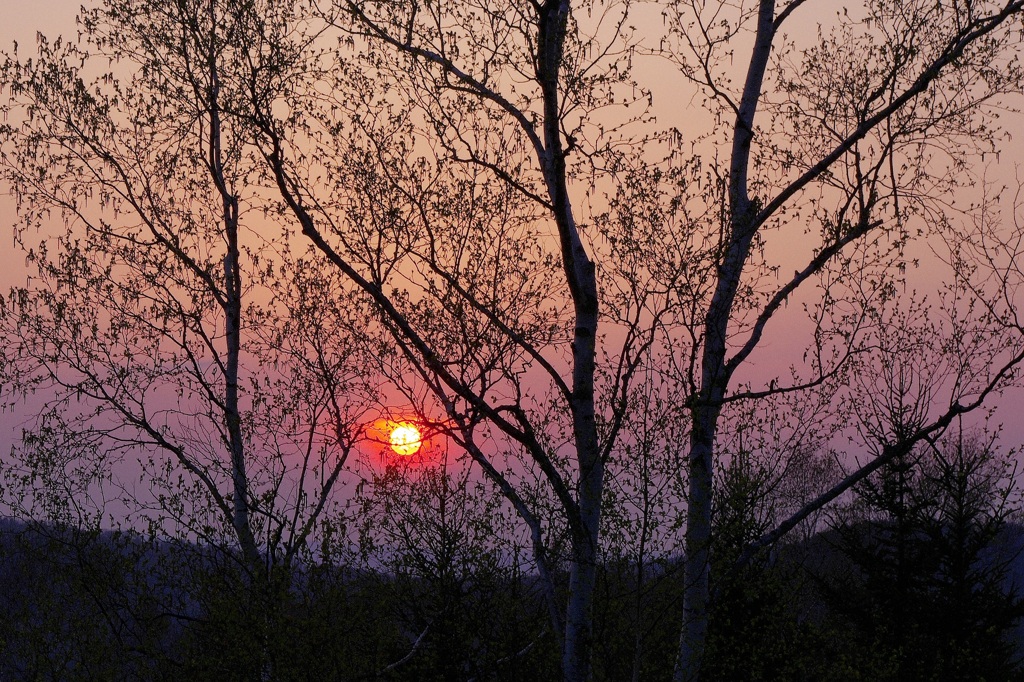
[{"x": 23, "y": 18}]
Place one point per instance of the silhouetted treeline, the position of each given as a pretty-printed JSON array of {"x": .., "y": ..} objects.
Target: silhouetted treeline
[{"x": 915, "y": 580}]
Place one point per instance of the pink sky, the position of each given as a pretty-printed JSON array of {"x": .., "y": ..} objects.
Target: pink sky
[{"x": 23, "y": 18}]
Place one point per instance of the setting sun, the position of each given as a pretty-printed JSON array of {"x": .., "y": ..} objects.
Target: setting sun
[{"x": 406, "y": 439}]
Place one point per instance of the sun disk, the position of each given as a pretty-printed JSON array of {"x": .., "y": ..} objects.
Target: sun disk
[{"x": 406, "y": 439}]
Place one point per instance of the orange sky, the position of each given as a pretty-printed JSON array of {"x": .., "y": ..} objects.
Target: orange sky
[
  {"x": 21, "y": 21},
  {"x": 23, "y": 18}
]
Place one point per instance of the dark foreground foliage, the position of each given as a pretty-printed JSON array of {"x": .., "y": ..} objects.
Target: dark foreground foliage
[{"x": 86, "y": 605}]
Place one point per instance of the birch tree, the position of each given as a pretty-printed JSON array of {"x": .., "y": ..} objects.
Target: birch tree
[
  {"x": 159, "y": 325},
  {"x": 852, "y": 142},
  {"x": 547, "y": 255}
]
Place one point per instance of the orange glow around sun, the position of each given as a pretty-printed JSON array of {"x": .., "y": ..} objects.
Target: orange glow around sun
[{"x": 405, "y": 439}]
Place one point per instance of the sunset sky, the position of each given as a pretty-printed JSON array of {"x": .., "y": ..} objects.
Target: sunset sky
[
  {"x": 645, "y": 319},
  {"x": 673, "y": 102}
]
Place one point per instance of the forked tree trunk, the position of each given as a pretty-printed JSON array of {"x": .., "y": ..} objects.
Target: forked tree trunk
[
  {"x": 581, "y": 279},
  {"x": 232, "y": 307},
  {"x": 716, "y": 367}
]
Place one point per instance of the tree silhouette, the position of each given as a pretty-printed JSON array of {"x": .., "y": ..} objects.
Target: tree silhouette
[
  {"x": 543, "y": 259},
  {"x": 929, "y": 588}
]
